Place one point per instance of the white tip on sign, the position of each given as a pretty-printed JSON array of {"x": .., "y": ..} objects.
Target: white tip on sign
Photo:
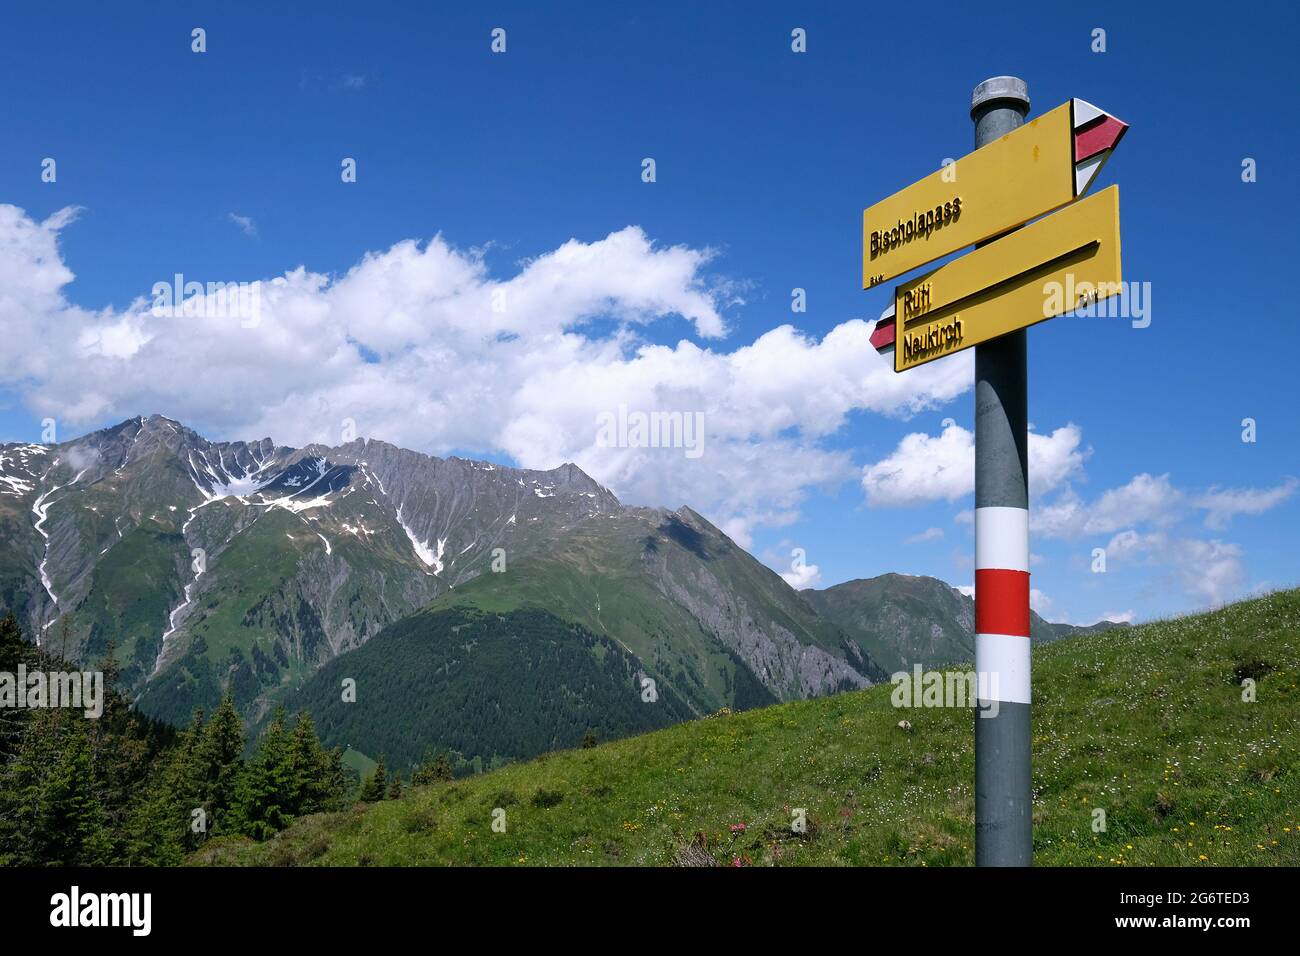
[
  {"x": 1085, "y": 112},
  {"x": 1087, "y": 171}
]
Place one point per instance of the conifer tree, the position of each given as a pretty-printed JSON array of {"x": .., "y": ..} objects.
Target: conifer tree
[
  {"x": 14, "y": 649},
  {"x": 436, "y": 770},
  {"x": 218, "y": 764},
  {"x": 164, "y": 825},
  {"x": 49, "y": 801},
  {"x": 376, "y": 785},
  {"x": 267, "y": 791},
  {"x": 122, "y": 750},
  {"x": 320, "y": 782},
  {"x": 336, "y": 782},
  {"x": 70, "y": 811}
]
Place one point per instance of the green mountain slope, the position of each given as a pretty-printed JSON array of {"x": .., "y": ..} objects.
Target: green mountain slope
[
  {"x": 657, "y": 594},
  {"x": 493, "y": 686},
  {"x": 271, "y": 607},
  {"x": 1146, "y": 723},
  {"x": 708, "y": 620}
]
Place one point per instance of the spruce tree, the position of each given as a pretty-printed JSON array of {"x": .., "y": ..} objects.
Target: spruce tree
[
  {"x": 14, "y": 650},
  {"x": 49, "y": 796},
  {"x": 376, "y": 785},
  {"x": 436, "y": 770},
  {"x": 122, "y": 749},
  {"x": 336, "y": 782},
  {"x": 164, "y": 826},
  {"x": 219, "y": 762},
  {"x": 70, "y": 810},
  {"x": 320, "y": 782},
  {"x": 267, "y": 791}
]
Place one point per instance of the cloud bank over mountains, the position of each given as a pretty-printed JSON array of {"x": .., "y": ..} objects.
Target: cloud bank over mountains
[{"x": 420, "y": 345}]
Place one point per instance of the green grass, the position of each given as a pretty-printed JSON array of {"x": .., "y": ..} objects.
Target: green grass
[{"x": 1146, "y": 723}]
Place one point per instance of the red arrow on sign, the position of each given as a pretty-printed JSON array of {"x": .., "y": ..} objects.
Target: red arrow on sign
[
  {"x": 882, "y": 336},
  {"x": 1096, "y": 134}
]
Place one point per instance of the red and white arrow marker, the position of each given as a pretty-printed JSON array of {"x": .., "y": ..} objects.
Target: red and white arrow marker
[
  {"x": 1096, "y": 134},
  {"x": 882, "y": 336}
]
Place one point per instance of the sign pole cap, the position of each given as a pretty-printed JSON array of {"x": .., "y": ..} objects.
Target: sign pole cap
[{"x": 1007, "y": 91}]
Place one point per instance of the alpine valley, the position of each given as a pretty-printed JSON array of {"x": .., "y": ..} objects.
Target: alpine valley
[{"x": 494, "y": 612}]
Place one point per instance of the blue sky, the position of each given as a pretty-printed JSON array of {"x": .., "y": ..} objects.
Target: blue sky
[{"x": 765, "y": 158}]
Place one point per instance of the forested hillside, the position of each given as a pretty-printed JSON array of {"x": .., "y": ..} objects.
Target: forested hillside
[
  {"x": 123, "y": 789},
  {"x": 489, "y": 687}
]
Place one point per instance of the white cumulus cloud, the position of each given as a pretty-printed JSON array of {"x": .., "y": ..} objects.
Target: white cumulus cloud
[
  {"x": 941, "y": 467},
  {"x": 1040, "y": 602},
  {"x": 802, "y": 576},
  {"x": 1145, "y": 498},
  {"x": 420, "y": 344},
  {"x": 1223, "y": 504}
]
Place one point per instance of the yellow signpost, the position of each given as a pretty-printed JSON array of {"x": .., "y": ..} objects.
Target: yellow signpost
[
  {"x": 1017, "y": 276},
  {"x": 1040, "y": 166},
  {"x": 1045, "y": 270}
]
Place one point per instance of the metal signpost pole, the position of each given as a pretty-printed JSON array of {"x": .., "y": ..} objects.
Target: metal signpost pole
[
  {"x": 1003, "y": 781},
  {"x": 1017, "y": 276}
]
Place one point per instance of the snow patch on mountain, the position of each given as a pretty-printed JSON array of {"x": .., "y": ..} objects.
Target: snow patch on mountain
[
  {"x": 222, "y": 484},
  {"x": 16, "y": 486},
  {"x": 288, "y": 504},
  {"x": 15, "y": 457},
  {"x": 41, "y": 508},
  {"x": 174, "y": 616}
]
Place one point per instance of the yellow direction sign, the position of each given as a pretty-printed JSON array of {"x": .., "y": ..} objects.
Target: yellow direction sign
[
  {"x": 1038, "y": 167},
  {"x": 1047, "y": 269}
]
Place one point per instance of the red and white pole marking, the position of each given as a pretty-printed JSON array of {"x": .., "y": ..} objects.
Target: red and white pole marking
[{"x": 1002, "y": 603}]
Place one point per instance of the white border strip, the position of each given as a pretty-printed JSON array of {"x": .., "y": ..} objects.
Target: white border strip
[
  {"x": 1002, "y": 665},
  {"x": 1001, "y": 539}
]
